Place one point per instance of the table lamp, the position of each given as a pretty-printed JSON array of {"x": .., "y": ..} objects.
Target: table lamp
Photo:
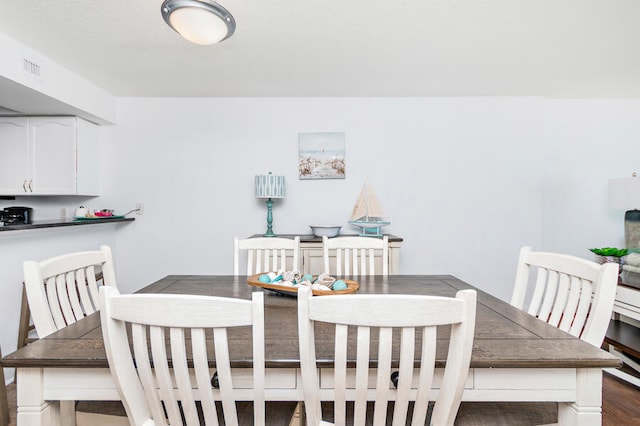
[
  {"x": 624, "y": 193},
  {"x": 269, "y": 187}
]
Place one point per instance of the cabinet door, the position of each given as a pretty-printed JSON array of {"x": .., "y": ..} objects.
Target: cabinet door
[
  {"x": 313, "y": 260},
  {"x": 53, "y": 155},
  {"x": 88, "y": 158},
  {"x": 14, "y": 155}
]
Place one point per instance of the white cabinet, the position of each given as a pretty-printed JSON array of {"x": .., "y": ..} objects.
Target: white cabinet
[
  {"x": 312, "y": 256},
  {"x": 49, "y": 156}
]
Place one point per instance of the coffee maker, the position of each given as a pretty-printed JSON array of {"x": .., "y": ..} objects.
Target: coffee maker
[{"x": 16, "y": 215}]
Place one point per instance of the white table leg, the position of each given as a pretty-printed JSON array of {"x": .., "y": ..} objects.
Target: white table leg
[
  {"x": 296, "y": 419},
  {"x": 33, "y": 410},
  {"x": 394, "y": 259},
  {"x": 587, "y": 410}
]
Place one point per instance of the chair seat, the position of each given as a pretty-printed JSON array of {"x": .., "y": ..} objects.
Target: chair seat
[
  {"x": 327, "y": 410},
  {"x": 95, "y": 419},
  {"x": 506, "y": 413},
  {"x": 112, "y": 413},
  {"x": 476, "y": 413},
  {"x": 278, "y": 413},
  {"x": 112, "y": 408}
]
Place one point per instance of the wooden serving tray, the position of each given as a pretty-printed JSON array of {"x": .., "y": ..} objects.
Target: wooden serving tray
[{"x": 352, "y": 287}]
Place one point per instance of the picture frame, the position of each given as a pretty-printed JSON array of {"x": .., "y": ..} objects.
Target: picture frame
[{"x": 321, "y": 155}]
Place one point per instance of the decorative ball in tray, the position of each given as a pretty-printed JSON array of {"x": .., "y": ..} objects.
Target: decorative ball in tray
[{"x": 288, "y": 282}]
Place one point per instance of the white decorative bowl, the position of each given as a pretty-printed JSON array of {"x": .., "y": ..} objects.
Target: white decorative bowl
[{"x": 328, "y": 230}]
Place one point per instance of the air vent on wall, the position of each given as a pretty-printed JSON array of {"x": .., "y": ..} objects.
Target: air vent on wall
[{"x": 32, "y": 68}]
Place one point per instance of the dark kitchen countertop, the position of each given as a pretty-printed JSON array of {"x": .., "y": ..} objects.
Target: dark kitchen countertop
[{"x": 39, "y": 224}]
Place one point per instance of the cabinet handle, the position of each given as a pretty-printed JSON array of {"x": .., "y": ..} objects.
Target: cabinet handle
[
  {"x": 30, "y": 186},
  {"x": 24, "y": 185}
]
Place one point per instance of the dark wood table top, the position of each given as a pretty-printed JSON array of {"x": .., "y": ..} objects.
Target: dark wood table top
[{"x": 505, "y": 337}]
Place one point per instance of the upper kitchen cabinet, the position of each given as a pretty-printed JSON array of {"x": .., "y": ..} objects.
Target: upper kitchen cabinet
[{"x": 49, "y": 156}]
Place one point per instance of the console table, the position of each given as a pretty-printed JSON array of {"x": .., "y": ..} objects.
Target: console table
[
  {"x": 311, "y": 256},
  {"x": 623, "y": 335}
]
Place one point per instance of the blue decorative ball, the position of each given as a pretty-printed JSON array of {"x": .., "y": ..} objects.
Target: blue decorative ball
[
  {"x": 264, "y": 278},
  {"x": 339, "y": 285}
]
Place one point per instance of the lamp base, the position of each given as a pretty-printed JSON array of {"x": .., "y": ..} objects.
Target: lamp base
[
  {"x": 632, "y": 229},
  {"x": 269, "y": 232}
]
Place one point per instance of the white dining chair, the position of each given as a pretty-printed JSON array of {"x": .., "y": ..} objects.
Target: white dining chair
[
  {"x": 63, "y": 289},
  {"x": 356, "y": 255},
  {"x": 168, "y": 375},
  {"x": 266, "y": 254},
  {"x": 375, "y": 319},
  {"x": 569, "y": 292}
]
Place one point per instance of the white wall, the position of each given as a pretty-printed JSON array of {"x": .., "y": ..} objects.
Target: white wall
[
  {"x": 465, "y": 181},
  {"x": 586, "y": 143},
  {"x": 459, "y": 178}
]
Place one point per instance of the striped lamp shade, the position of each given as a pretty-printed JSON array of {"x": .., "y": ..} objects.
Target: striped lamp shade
[{"x": 269, "y": 186}]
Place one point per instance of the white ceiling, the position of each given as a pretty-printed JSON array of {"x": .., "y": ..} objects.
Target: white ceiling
[{"x": 554, "y": 48}]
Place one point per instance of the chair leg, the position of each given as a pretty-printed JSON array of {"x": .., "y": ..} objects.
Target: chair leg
[
  {"x": 24, "y": 326},
  {"x": 68, "y": 412},
  {"x": 4, "y": 402}
]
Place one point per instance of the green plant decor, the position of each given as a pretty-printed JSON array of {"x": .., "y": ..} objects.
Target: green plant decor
[{"x": 610, "y": 251}]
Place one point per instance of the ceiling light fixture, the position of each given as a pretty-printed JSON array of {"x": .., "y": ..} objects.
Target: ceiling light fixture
[{"x": 200, "y": 22}]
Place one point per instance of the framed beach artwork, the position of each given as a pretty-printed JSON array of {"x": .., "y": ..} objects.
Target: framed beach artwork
[{"x": 321, "y": 155}]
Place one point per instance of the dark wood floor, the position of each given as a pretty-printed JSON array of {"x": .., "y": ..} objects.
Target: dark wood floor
[{"x": 620, "y": 403}]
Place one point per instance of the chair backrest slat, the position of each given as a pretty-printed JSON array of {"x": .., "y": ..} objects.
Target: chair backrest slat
[
  {"x": 425, "y": 379},
  {"x": 561, "y": 298},
  {"x": 267, "y": 254},
  {"x": 84, "y": 298},
  {"x": 73, "y": 294},
  {"x": 174, "y": 363},
  {"x": 340, "y": 369},
  {"x": 379, "y": 322},
  {"x": 571, "y": 293},
  {"x": 362, "y": 374},
  {"x": 383, "y": 373},
  {"x": 63, "y": 289},
  {"x": 582, "y": 311}
]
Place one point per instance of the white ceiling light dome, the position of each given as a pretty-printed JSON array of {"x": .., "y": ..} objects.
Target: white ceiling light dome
[{"x": 200, "y": 22}]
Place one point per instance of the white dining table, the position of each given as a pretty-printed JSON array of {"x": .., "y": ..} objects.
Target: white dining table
[{"x": 515, "y": 357}]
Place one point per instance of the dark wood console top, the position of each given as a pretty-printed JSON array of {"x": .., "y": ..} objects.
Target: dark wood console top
[{"x": 310, "y": 238}]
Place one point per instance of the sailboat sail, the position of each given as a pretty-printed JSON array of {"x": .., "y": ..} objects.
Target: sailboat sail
[
  {"x": 367, "y": 213},
  {"x": 367, "y": 206}
]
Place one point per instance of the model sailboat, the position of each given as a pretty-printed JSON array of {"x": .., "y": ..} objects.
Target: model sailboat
[{"x": 367, "y": 213}]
